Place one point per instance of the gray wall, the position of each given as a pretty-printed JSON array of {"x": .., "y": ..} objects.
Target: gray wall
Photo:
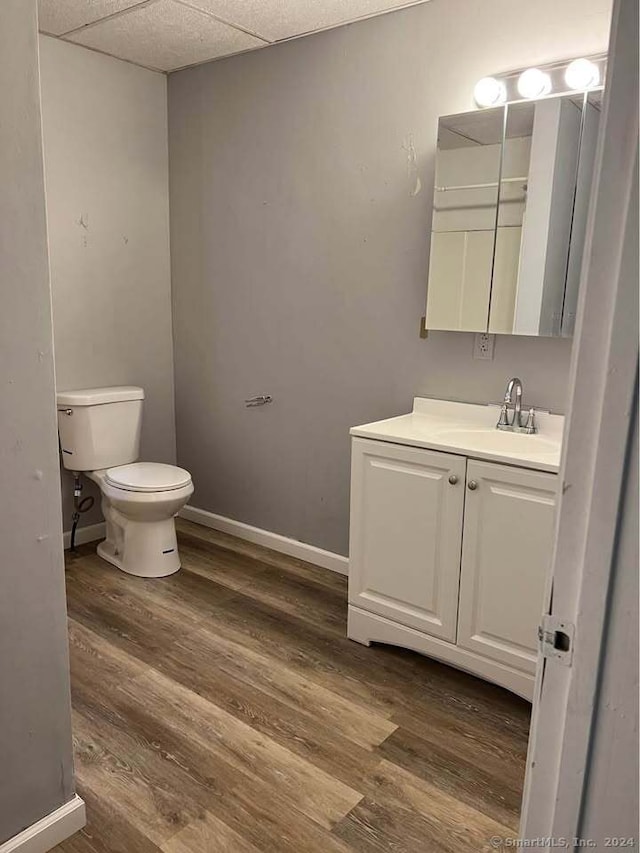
[
  {"x": 36, "y": 774},
  {"x": 300, "y": 182},
  {"x": 107, "y": 182}
]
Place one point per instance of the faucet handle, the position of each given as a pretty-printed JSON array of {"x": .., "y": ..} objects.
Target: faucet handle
[
  {"x": 530, "y": 426},
  {"x": 503, "y": 420}
]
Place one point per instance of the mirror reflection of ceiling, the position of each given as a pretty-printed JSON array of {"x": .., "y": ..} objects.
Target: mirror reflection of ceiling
[
  {"x": 594, "y": 98},
  {"x": 520, "y": 120},
  {"x": 166, "y": 35},
  {"x": 468, "y": 129},
  {"x": 484, "y": 127}
]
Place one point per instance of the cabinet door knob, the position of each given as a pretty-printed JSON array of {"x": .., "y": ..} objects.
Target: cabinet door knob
[
  {"x": 472, "y": 485},
  {"x": 453, "y": 479}
]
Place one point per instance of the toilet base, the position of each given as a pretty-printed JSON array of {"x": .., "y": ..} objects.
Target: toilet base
[
  {"x": 144, "y": 549},
  {"x": 141, "y": 530}
]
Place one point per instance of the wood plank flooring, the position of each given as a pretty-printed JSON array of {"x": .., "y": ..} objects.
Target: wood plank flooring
[{"x": 223, "y": 710}]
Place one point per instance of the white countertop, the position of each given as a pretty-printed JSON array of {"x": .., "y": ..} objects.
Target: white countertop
[{"x": 469, "y": 430}]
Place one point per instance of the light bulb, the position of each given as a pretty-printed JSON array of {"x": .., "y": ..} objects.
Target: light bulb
[
  {"x": 489, "y": 92},
  {"x": 534, "y": 83},
  {"x": 582, "y": 74}
]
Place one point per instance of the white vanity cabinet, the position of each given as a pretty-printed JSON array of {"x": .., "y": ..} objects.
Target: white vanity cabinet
[
  {"x": 449, "y": 556},
  {"x": 406, "y": 534},
  {"x": 507, "y": 545}
]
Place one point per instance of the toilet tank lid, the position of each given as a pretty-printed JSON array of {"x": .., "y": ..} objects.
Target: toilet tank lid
[{"x": 98, "y": 396}]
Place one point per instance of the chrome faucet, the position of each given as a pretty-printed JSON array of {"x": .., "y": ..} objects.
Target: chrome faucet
[
  {"x": 515, "y": 425},
  {"x": 517, "y": 409}
]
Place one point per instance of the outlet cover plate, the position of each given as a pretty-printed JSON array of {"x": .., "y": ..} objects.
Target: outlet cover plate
[{"x": 483, "y": 345}]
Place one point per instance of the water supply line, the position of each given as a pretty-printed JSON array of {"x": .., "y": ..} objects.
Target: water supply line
[{"x": 79, "y": 506}]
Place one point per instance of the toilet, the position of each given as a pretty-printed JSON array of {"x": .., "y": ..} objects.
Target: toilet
[{"x": 99, "y": 431}]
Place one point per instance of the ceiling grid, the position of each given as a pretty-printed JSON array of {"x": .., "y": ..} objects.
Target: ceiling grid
[{"x": 167, "y": 35}]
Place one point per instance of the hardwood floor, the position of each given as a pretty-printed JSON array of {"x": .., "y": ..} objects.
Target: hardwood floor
[{"x": 223, "y": 710}]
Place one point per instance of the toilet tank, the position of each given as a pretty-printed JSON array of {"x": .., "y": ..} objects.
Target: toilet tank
[{"x": 99, "y": 427}]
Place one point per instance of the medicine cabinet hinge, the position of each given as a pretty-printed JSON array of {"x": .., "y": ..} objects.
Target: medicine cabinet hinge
[{"x": 555, "y": 638}]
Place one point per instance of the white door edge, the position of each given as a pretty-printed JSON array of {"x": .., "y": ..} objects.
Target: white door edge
[{"x": 603, "y": 377}]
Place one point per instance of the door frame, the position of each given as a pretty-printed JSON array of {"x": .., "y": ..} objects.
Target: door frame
[{"x": 595, "y": 453}]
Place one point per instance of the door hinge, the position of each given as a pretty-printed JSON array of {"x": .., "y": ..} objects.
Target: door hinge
[{"x": 556, "y": 639}]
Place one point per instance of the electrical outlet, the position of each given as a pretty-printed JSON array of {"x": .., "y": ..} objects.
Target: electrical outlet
[{"x": 483, "y": 345}]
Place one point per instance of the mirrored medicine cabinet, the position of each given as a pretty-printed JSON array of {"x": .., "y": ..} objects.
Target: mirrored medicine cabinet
[{"x": 512, "y": 187}]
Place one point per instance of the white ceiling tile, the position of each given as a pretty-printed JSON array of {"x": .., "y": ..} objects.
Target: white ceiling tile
[
  {"x": 61, "y": 16},
  {"x": 280, "y": 19},
  {"x": 165, "y": 35}
]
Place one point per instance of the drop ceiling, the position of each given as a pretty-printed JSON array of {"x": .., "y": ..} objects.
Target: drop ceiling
[{"x": 166, "y": 35}]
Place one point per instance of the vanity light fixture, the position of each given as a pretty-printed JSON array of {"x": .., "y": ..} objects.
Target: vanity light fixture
[
  {"x": 534, "y": 83},
  {"x": 490, "y": 92},
  {"x": 565, "y": 77},
  {"x": 582, "y": 74}
]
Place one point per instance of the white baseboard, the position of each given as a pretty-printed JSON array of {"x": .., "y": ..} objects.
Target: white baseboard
[
  {"x": 282, "y": 544},
  {"x": 83, "y": 535},
  {"x": 50, "y": 831}
]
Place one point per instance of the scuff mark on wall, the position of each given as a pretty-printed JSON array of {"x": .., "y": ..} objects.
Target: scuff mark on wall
[
  {"x": 412, "y": 166},
  {"x": 63, "y": 777},
  {"x": 83, "y": 222}
]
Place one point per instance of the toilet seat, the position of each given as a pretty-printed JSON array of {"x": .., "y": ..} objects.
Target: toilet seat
[{"x": 147, "y": 477}]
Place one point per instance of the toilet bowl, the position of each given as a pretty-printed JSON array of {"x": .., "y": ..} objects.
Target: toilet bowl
[
  {"x": 139, "y": 504},
  {"x": 99, "y": 430}
]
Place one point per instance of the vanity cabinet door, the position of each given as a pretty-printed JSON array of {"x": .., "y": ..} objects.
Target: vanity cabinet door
[
  {"x": 406, "y": 526},
  {"x": 506, "y": 554}
]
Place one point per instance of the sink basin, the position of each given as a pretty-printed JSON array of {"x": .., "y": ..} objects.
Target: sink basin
[
  {"x": 469, "y": 429},
  {"x": 498, "y": 441}
]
